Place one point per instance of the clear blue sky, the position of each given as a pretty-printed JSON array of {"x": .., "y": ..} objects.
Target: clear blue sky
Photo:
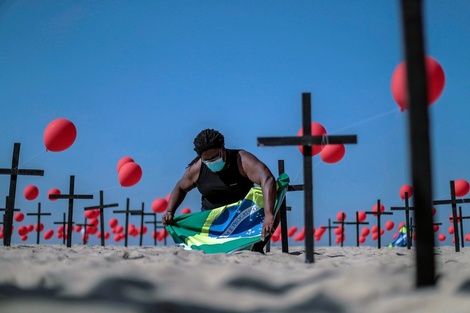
[{"x": 142, "y": 78}]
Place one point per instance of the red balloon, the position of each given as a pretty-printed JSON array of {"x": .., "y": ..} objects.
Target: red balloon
[
  {"x": 22, "y": 230},
  {"x": 185, "y": 210},
  {"x": 159, "y": 205},
  {"x": 53, "y": 191},
  {"x": 333, "y": 153},
  {"x": 389, "y": 225},
  {"x": 441, "y": 237},
  {"x": 113, "y": 222},
  {"x": 361, "y": 215},
  {"x": 362, "y": 239},
  {"x": 123, "y": 161},
  {"x": 450, "y": 230},
  {"x": 41, "y": 227},
  {"x": 19, "y": 217},
  {"x": 435, "y": 81},
  {"x": 48, "y": 234},
  {"x": 129, "y": 174},
  {"x": 291, "y": 231},
  {"x": 317, "y": 130},
  {"x": 406, "y": 188},
  {"x": 31, "y": 192},
  {"x": 341, "y": 216},
  {"x": 461, "y": 187},
  {"x": 374, "y": 208},
  {"x": 365, "y": 232},
  {"x": 59, "y": 135}
]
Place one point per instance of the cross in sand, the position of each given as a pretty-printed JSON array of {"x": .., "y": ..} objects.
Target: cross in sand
[
  {"x": 64, "y": 224},
  {"x": 453, "y": 201},
  {"x": 85, "y": 225},
  {"x": 329, "y": 228},
  {"x": 419, "y": 141},
  {"x": 38, "y": 225},
  {"x": 407, "y": 210},
  {"x": 102, "y": 206},
  {"x": 378, "y": 214},
  {"x": 14, "y": 171},
  {"x": 142, "y": 214},
  {"x": 357, "y": 223},
  {"x": 71, "y": 196},
  {"x": 283, "y": 211},
  {"x": 127, "y": 211},
  {"x": 460, "y": 219},
  {"x": 155, "y": 222},
  {"x": 307, "y": 141}
]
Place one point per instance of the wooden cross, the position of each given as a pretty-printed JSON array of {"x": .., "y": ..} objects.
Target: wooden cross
[
  {"x": 71, "y": 196},
  {"x": 407, "y": 210},
  {"x": 14, "y": 171},
  {"x": 142, "y": 214},
  {"x": 379, "y": 214},
  {"x": 357, "y": 223},
  {"x": 329, "y": 228},
  {"x": 126, "y": 211},
  {"x": 102, "y": 206},
  {"x": 85, "y": 225},
  {"x": 63, "y": 223},
  {"x": 155, "y": 222},
  {"x": 38, "y": 225},
  {"x": 453, "y": 201},
  {"x": 419, "y": 141},
  {"x": 307, "y": 141},
  {"x": 283, "y": 211},
  {"x": 412, "y": 226},
  {"x": 460, "y": 220}
]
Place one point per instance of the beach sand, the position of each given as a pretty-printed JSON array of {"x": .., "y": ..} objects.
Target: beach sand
[{"x": 54, "y": 278}]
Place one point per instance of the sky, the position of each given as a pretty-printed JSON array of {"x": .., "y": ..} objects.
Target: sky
[{"x": 142, "y": 79}]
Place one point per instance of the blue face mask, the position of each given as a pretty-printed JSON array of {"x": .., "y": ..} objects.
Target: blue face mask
[{"x": 216, "y": 165}]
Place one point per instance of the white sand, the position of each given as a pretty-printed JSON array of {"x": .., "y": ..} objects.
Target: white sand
[{"x": 53, "y": 278}]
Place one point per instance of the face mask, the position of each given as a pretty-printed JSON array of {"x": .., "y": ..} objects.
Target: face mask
[{"x": 216, "y": 165}]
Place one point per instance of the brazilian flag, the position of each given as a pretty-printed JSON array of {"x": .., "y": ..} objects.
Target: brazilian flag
[{"x": 226, "y": 229}]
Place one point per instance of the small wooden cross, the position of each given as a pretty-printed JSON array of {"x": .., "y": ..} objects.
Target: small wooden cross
[
  {"x": 329, "y": 228},
  {"x": 102, "y": 206},
  {"x": 307, "y": 140},
  {"x": 71, "y": 196},
  {"x": 38, "y": 225},
  {"x": 453, "y": 201},
  {"x": 127, "y": 212},
  {"x": 64, "y": 224},
  {"x": 357, "y": 223},
  {"x": 460, "y": 220},
  {"x": 379, "y": 214},
  {"x": 155, "y": 222},
  {"x": 407, "y": 210},
  {"x": 142, "y": 214},
  {"x": 85, "y": 225},
  {"x": 14, "y": 172}
]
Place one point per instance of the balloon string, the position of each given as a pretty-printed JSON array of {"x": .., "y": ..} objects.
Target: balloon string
[
  {"x": 31, "y": 158},
  {"x": 365, "y": 121}
]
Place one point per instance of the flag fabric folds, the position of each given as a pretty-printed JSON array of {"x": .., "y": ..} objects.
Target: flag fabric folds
[
  {"x": 401, "y": 240},
  {"x": 226, "y": 229}
]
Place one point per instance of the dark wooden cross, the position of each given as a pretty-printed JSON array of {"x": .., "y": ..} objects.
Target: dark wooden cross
[
  {"x": 85, "y": 225},
  {"x": 307, "y": 141},
  {"x": 71, "y": 197},
  {"x": 64, "y": 225},
  {"x": 407, "y": 210},
  {"x": 460, "y": 219},
  {"x": 357, "y": 223},
  {"x": 14, "y": 171},
  {"x": 419, "y": 141},
  {"x": 102, "y": 206},
  {"x": 453, "y": 201},
  {"x": 127, "y": 211},
  {"x": 283, "y": 211},
  {"x": 155, "y": 226},
  {"x": 379, "y": 214},
  {"x": 329, "y": 228},
  {"x": 142, "y": 214},
  {"x": 38, "y": 225}
]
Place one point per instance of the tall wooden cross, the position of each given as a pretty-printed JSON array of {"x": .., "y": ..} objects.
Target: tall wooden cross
[
  {"x": 64, "y": 224},
  {"x": 38, "y": 225},
  {"x": 14, "y": 171},
  {"x": 283, "y": 210},
  {"x": 453, "y": 201},
  {"x": 407, "y": 210},
  {"x": 71, "y": 196},
  {"x": 378, "y": 214},
  {"x": 142, "y": 214},
  {"x": 419, "y": 141},
  {"x": 307, "y": 141},
  {"x": 102, "y": 206},
  {"x": 127, "y": 211}
]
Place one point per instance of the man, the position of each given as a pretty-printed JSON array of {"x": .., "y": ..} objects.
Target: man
[{"x": 224, "y": 176}]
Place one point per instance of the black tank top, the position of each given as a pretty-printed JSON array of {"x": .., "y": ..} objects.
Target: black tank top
[{"x": 223, "y": 187}]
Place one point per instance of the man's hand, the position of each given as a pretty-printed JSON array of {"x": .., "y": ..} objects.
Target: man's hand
[
  {"x": 268, "y": 226},
  {"x": 167, "y": 218}
]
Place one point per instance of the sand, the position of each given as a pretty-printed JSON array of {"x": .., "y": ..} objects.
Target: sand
[{"x": 54, "y": 278}]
